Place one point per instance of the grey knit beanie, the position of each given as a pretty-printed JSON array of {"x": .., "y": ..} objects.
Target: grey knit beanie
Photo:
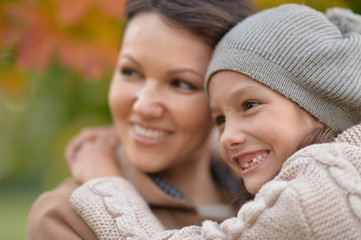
[{"x": 312, "y": 58}]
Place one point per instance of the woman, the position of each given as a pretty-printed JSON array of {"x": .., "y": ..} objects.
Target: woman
[
  {"x": 161, "y": 117},
  {"x": 278, "y": 83}
]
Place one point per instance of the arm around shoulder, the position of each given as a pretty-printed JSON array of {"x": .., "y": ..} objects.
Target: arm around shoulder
[{"x": 113, "y": 209}]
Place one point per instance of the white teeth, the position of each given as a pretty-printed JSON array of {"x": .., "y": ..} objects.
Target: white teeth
[
  {"x": 148, "y": 133},
  {"x": 254, "y": 161}
]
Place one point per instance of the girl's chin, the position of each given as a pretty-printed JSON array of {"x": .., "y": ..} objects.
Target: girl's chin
[
  {"x": 253, "y": 188},
  {"x": 252, "y": 191}
]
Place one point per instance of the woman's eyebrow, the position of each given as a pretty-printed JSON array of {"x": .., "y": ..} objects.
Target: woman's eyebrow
[{"x": 127, "y": 56}]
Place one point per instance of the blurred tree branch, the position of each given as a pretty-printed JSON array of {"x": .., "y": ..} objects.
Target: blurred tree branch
[{"x": 82, "y": 35}]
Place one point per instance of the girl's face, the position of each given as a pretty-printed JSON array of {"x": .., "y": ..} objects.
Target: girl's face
[
  {"x": 156, "y": 96},
  {"x": 259, "y": 128}
]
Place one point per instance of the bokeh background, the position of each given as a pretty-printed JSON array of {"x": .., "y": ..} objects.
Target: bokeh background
[{"x": 56, "y": 61}]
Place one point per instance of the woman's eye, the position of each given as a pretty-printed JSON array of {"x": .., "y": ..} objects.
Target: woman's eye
[
  {"x": 219, "y": 120},
  {"x": 250, "y": 104},
  {"x": 129, "y": 72},
  {"x": 183, "y": 85}
]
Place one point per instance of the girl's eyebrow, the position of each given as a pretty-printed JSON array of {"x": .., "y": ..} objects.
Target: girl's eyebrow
[
  {"x": 241, "y": 92},
  {"x": 174, "y": 71},
  {"x": 245, "y": 91}
]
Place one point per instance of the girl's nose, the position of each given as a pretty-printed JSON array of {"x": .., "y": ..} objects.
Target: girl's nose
[
  {"x": 232, "y": 137},
  {"x": 149, "y": 102}
]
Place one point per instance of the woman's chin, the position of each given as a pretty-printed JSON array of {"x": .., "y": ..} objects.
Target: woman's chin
[{"x": 146, "y": 166}]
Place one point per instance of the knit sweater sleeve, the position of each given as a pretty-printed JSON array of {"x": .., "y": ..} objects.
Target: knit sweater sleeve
[{"x": 114, "y": 210}]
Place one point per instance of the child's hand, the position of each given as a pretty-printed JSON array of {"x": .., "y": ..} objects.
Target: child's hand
[
  {"x": 91, "y": 154},
  {"x": 88, "y": 134},
  {"x": 95, "y": 158}
]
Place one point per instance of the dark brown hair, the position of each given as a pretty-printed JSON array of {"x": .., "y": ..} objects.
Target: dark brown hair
[
  {"x": 207, "y": 19},
  {"x": 322, "y": 134}
]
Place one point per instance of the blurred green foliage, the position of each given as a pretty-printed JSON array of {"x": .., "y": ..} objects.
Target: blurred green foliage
[
  {"x": 14, "y": 205},
  {"x": 320, "y": 5},
  {"x": 36, "y": 127}
]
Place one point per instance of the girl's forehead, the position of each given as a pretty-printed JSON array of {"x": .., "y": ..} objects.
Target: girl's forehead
[{"x": 231, "y": 79}]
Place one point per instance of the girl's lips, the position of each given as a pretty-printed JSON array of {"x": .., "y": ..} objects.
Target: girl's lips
[{"x": 251, "y": 160}]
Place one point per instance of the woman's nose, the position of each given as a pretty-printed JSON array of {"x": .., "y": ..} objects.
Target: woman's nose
[
  {"x": 232, "y": 136},
  {"x": 149, "y": 102}
]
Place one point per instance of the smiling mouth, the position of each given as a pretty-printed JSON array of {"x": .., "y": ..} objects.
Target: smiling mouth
[
  {"x": 149, "y": 133},
  {"x": 254, "y": 161}
]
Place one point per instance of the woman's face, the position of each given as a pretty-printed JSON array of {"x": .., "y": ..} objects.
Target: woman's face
[
  {"x": 156, "y": 96},
  {"x": 259, "y": 128}
]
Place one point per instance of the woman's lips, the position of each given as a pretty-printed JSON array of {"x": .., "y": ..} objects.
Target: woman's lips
[
  {"x": 149, "y": 132},
  {"x": 147, "y": 135}
]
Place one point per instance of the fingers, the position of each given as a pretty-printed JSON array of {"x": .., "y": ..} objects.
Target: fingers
[
  {"x": 107, "y": 133},
  {"x": 95, "y": 158},
  {"x": 74, "y": 145}
]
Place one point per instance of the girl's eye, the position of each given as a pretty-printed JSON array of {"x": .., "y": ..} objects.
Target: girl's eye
[
  {"x": 127, "y": 72},
  {"x": 219, "y": 120},
  {"x": 249, "y": 104},
  {"x": 183, "y": 85}
]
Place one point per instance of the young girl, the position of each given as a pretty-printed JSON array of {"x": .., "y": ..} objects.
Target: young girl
[
  {"x": 278, "y": 83},
  {"x": 161, "y": 117}
]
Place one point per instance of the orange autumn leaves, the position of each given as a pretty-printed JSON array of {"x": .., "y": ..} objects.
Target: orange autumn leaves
[{"x": 83, "y": 35}]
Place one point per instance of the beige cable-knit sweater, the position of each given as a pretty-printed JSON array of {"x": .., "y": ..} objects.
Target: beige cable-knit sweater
[{"x": 317, "y": 195}]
